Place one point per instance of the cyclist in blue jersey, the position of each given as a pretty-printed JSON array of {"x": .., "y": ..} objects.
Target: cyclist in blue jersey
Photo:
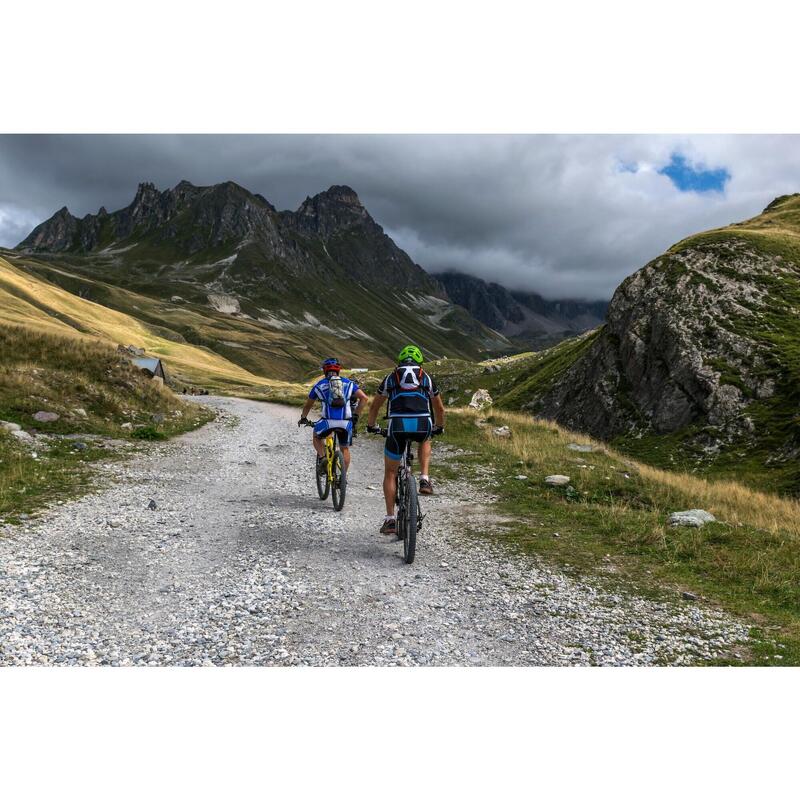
[
  {"x": 413, "y": 399},
  {"x": 337, "y": 417}
]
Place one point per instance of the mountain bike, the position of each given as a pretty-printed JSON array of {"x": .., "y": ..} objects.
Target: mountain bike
[
  {"x": 333, "y": 478},
  {"x": 409, "y": 514}
]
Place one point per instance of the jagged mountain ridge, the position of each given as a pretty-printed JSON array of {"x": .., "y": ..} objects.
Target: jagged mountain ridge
[
  {"x": 525, "y": 317},
  {"x": 192, "y": 219},
  {"x": 327, "y": 267}
]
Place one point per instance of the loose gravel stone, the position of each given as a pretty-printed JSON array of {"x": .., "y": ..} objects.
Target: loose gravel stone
[{"x": 241, "y": 563}]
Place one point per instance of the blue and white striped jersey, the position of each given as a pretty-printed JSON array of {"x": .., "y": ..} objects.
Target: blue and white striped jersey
[{"x": 320, "y": 392}]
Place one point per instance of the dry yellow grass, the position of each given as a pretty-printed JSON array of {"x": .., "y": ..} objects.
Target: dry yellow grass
[
  {"x": 730, "y": 501},
  {"x": 31, "y": 302},
  {"x": 544, "y": 444}
]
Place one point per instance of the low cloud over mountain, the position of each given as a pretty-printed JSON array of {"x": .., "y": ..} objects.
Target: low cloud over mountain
[{"x": 564, "y": 216}]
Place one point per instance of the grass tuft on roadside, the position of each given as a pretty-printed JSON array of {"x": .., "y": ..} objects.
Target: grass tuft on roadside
[{"x": 94, "y": 391}]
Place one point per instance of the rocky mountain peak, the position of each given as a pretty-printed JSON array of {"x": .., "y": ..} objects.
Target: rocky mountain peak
[
  {"x": 54, "y": 235},
  {"x": 341, "y": 194},
  {"x": 335, "y": 209},
  {"x": 146, "y": 193}
]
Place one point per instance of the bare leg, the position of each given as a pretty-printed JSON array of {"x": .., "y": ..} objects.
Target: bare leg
[
  {"x": 319, "y": 445},
  {"x": 424, "y": 457},
  {"x": 389, "y": 487},
  {"x": 346, "y": 455}
]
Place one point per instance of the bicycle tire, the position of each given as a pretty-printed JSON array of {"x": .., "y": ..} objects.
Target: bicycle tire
[
  {"x": 323, "y": 485},
  {"x": 410, "y": 520},
  {"x": 339, "y": 488},
  {"x": 399, "y": 493}
]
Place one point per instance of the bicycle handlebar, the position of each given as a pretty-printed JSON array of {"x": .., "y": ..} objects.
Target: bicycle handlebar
[{"x": 437, "y": 431}]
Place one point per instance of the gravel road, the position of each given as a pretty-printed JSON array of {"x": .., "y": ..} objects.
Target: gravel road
[{"x": 241, "y": 563}]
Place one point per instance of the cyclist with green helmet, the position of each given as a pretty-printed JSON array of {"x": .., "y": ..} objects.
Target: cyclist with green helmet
[{"x": 413, "y": 399}]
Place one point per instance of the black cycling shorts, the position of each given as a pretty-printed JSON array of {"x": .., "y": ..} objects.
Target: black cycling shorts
[
  {"x": 404, "y": 429},
  {"x": 342, "y": 428}
]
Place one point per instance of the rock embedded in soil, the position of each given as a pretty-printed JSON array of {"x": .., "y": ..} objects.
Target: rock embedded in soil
[
  {"x": 480, "y": 400},
  {"x": 581, "y": 448},
  {"x": 693, "y": 518},
  {"x": 557, "y": 480},
  {"x": 46, "y": 416}
]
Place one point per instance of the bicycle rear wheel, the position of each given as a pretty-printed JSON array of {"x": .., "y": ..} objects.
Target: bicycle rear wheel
[
  {"x": 339, "y": 487},
  {"x": 323, "y": 485},
  {"x": 410, "y": 509}
]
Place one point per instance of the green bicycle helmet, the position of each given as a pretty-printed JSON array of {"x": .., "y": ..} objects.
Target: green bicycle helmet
[{"x": 410, "y": 353}]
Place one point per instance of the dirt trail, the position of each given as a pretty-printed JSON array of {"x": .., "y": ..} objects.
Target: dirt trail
[{"x": 242, "y": 564}]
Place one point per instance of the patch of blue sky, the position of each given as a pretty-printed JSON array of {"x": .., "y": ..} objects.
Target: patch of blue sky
[{"x": 689, "y": 177}]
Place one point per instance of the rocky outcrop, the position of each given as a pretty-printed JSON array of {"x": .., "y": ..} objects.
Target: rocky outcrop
[
  {"x": 676, "y": 350},
  {"x": 55, "y": 235},
  {"x": 329, "y": 212}
]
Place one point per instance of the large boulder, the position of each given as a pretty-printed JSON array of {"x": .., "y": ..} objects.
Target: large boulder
[
  {"x": 480, "y": 400},
  {"x": 224, "y": 303},
  {"x": 46, "y": 416},
  {"x": 693, "y": 518}
]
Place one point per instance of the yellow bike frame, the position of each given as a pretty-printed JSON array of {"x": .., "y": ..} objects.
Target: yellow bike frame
[{"x": 329, "y": 453}]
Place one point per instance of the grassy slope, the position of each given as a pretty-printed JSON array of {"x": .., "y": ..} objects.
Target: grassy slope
[
  {"x": 545, "y": 369},
  {"x": 48, "y": 372},
  {"x": 364, "y": 327},
  {"x": 612, "y": 522},
  {"x": 265, "y": 351},
  {"x": 30, "y": 301}
]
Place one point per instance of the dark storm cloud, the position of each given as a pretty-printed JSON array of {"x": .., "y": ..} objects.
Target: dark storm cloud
[{"x": 561, "y": 215}]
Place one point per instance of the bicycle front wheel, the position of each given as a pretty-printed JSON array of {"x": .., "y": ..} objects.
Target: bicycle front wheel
[
  {"x": 410, "y": 509},
  {"x": 339, "y": 487}
]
